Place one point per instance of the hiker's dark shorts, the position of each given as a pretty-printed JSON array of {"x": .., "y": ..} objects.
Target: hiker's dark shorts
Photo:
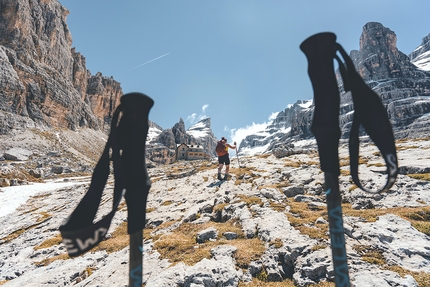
[{"x": 224, "y": 159}]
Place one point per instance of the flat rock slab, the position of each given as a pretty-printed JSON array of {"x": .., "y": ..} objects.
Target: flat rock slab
[{"x": 17, "y": 154}]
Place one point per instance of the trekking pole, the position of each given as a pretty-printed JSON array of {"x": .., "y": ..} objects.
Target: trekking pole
[
  {"x": 137, "y": 183},
  {"x": 320, "y": 51},
  {"x": 125, "y": 147},
  {"x": 237, "y": 155}
]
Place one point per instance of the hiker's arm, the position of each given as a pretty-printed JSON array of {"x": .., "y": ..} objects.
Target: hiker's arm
[{"x": 230, "y": 146}]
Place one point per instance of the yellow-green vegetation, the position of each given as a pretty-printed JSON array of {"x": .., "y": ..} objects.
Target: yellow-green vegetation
[
  {"x": 251, "y": 200},
  {"x": 418, "y": 216},
  {"x": 20, "y": 175},
  {"x": 248, "y": 250},
  {"x": 220, "y": 207},
  {"x": 47, "y": 261},
  {"x": 320, "y": 245},
  {"x": 18, "y": 232},
  {"x": 406, "y": 147},
  {"x": 370, "y": 254},
  {"x": 422, "y": 278},
  {"x": 202, "y": 165},
  {"x": 352, "y": 187},
  {"x": 118, "y": 240},
  {"x": 167, "y": 202},
  {"x": 265, "y": 155},
  {"x": 277, "y": 243},
  {"x": 256, "y": 282},
  {"x": 278, "y": 206},
  {"x": 44, "y": 216},
  {"x": 56, "y": 240},
  {"x": 150, "y": 209},
  {"x": 13, "y": 235},
  {"x": 420, "y": 176},
  {"x": 345, "y": 161},
  {"x": 289, "y": 163},
  {"x": 244, "y": 172},
  {"x": 180, "y": 245},
  {"x": 303, "y": 219},
  {"x": 375, "y": 256}
]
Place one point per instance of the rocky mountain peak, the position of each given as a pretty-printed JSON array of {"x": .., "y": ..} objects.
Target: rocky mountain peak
[
  {"x": 378, "y": 57},
  {"x": 201, "y": 129},
  {"x": 403, "y": 86}
]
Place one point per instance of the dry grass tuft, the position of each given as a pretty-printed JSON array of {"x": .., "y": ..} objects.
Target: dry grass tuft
[
  {"x": 303, "y": 219},
  {"x": 420, "y": 176},
  {"x": 251, "y": 200},
  {"x": 370, "y": 254},
  {"x": 180, "y": 245},
  {"x": 118, "y": 240},
  {"x": 418, "y": 216},
  {"x": 56, "y": 240}
]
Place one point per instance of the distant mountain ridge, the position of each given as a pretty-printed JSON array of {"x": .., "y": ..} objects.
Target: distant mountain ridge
[
  {"x": 46, "y": 85},
  {"x": 161, "y": 144},
  {"x": 402, "y": 82}
]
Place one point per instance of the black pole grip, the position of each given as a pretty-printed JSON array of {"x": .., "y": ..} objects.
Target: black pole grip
[{"x": 320, "y": 50}]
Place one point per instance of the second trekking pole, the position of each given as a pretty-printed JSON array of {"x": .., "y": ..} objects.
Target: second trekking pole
[{"x": 320, "y": 51}]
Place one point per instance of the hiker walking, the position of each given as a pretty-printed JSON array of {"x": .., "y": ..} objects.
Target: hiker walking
[{"x": 223, "y": 157}]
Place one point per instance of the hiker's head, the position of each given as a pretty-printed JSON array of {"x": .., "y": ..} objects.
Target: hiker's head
[{"x": 224, "y": 139}]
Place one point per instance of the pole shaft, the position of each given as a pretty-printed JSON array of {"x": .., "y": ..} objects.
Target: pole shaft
[
  {"x": 337, "y": 233},
  {"x": 135, "y": 266}
]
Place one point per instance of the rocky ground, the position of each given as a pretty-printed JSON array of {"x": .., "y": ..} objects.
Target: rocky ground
[{"x": 268, "y": 223}]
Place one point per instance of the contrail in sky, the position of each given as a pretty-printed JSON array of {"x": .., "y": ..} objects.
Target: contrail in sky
[{"x": 152, "y": 60}]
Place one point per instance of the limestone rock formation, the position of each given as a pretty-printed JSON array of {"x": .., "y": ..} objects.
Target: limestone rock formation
[
  {"x": 45, "y": 82},
  {"x": 403, "y": 86}
]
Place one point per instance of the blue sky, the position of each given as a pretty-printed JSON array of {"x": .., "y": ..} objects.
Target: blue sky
[{"x": 235, "y": 61}]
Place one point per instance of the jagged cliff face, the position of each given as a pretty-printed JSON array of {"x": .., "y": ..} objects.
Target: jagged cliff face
[
  {"x": 403, "y": 86},
  {"x": 44, "y": 81}
]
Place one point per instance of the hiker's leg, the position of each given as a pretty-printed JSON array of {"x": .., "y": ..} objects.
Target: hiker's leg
[
  {"x": 227, "y": 168},
  {"x": 219, "y": 171}
]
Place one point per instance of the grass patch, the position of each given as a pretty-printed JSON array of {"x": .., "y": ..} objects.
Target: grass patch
[
  {"x": 303, "y": 219},
  {"x": 248, "y": 250},
  {"x": 118, "y": 240},
  {"x": 251, "y": 200},
  {"x": 47, "y": 261},
  {"x": 277, "y": 243},
  {"x": 56, "y": 240},
  {"x": 406, "y": 147},
  {"x": 258, "y": 282},
  {"x": 370, "y": 254},
  {"x": 422, "y": 278},
  {"x": 18, "y": 232},
  {"x": 420, "y": 176},
  {"x": 418, "y": 216},
  {"x": 180, "y": 245},
  {"x": 278, "y": 206}
]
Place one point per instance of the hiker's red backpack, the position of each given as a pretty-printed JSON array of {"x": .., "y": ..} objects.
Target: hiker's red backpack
[{"x": 220, "y": 148}]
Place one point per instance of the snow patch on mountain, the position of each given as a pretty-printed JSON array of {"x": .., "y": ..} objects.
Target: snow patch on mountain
[
  {"x": 423, "y": 61},
  {"x": 258, "y": 138},
  {"x": 201, "y": 129}
]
